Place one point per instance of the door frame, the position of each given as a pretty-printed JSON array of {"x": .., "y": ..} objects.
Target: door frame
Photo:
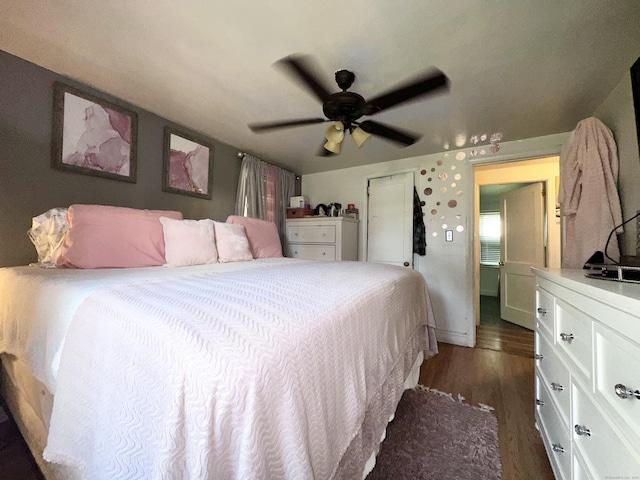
[{"x": 545, "y": 170}]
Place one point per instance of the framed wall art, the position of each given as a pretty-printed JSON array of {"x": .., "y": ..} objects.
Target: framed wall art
[
  {"x": 188, "y": 164},
  {"x": 93, "y": 136}
]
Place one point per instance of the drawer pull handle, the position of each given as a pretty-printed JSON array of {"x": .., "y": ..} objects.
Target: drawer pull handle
[
  {"x": 566, "y": 337},
  {"x": 542, "y": 311},
  {"x": 295, "y": 252},
  {"x": 324, "y": 253},
  {"x": 295, "y": 234},
  {"x": 556, "y": 386},
  {"x": 582, "y": 430},
  {"x": 623, "y": 392},
  {"x": 556, "y": 447},
  {"x": 538, "y": 356},
  {"x": 539, "y": 402}
]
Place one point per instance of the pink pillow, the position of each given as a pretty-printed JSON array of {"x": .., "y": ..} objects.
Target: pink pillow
[
  {"x": 188, "y": 242},
  {"x": 101, "y": 237},
  {"x": 263, "y": 236},
  {"x": 232, "y": 243}
]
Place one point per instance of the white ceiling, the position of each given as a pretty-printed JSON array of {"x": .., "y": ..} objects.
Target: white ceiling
[{"x": 522, "y": 68}]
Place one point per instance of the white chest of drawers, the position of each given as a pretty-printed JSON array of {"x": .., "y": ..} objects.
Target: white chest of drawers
[
  {"x": 322, "y": 238},
  {"x": 588, "y": 374}
]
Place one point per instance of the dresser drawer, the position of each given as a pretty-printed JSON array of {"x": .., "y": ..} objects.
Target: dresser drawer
[
  {"x": 573, "y": 335},
  {"x": 311, "y": 233},
  {"x": 313, "y": 252},
  {"x": 545, "y": 310},
  {"x": 554, "y": 374},
  {"x": 617, "y": 362},
  {"x": 606, "y": 454},
  {"x": 556, "y": 438}
]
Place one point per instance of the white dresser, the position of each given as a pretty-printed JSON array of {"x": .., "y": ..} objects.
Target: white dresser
[
  {"x": 588, "y": 374},
  {"x": 322, "y": 238}
]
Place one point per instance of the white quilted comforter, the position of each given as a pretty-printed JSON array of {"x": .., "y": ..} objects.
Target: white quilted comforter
[{"x": 290, "y": 371}]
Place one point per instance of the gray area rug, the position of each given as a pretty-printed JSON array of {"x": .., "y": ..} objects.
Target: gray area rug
[{"x": 434, "y": 436}]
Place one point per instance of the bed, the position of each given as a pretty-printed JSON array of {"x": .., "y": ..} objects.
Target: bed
[{"x": 270, "y": 368}]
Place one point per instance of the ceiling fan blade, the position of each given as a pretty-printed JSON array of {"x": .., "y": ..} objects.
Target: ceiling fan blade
[
  {"x": 428, "y": 83},
  {"x": 302, "y": 69},
  {"x": 262, "y": 127},
  {"x": 390, "y": 133}
]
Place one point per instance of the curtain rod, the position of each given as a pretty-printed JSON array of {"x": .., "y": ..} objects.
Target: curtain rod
[{"x": 241, "y": 155}]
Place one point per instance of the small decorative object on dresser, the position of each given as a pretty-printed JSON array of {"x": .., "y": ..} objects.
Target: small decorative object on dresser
[
  {"x": 587, "y": 357},
  {"x": 322, "y": 238}
]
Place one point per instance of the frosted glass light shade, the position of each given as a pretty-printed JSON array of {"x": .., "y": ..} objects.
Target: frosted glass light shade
[
  {"x": 360, "y": 136},
  {"x": 333, "y": 147},
  {"x": 335, "y": 133}
]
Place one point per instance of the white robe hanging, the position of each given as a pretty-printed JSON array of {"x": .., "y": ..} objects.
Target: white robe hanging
[{"x": 589, "y": 193}]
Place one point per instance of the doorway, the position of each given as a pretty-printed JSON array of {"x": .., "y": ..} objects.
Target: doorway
[{"x": 490, "y": 279}]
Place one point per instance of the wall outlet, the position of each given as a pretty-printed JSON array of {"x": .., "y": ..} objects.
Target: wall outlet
[{"x": 448, "y": 235}]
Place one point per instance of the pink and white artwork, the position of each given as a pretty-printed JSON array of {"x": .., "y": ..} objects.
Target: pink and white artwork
[
  {"x": 187, "y": 163},
  {"x": 92, "y": 136}
]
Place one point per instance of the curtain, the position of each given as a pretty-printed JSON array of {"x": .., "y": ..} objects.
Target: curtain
[{"x": 264, "y": 191}]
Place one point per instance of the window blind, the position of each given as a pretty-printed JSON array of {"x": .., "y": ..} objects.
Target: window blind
[{"x": 490, "y": 238}]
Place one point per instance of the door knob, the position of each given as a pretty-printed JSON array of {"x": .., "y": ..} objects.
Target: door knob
[{"x": 501, "y": 263}]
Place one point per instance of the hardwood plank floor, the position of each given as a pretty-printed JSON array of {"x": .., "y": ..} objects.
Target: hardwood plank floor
[
  {"x": 16, "y": 461},
  {"x": 505, "y": 382},
  {"x": 497, "y": 334}
]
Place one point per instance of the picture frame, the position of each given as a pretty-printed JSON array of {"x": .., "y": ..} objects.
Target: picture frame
[
  {"x": 635, "y": 89},
  {"x": 93, "y": 136},
  {"x": 187, "y": 163}
]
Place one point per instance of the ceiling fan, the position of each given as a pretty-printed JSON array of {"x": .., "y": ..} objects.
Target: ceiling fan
[{"x": 345, "y": 108}]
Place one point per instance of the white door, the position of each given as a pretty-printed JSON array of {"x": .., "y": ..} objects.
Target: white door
[
  {"x": 390, "y": 220},
  {"x": 522, "y": 247}
]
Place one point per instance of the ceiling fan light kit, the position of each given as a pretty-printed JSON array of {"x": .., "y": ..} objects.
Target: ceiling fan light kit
[
  {"x": 360, "y": 136},
  {"x": 345, "y": 108},
  {"x": 332, "y": 147}
]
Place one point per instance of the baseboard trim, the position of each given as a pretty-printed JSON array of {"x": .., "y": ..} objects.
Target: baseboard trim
[{"x": 455, "y": 338}]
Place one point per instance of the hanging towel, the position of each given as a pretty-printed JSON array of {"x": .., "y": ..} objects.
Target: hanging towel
[
  {"x": 419, "y": 230},
  {"x": 589, "y": 193}
]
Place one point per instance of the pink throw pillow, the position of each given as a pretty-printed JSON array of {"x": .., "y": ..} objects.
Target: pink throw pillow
[
  {"x": 101, "y": 236},
  {"x": 232, "y": 243},
  {"x": 188, "y": 242},
  {"x": 263, "y": 236}
]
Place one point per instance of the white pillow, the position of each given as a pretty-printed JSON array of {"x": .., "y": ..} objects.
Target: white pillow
[
  {"x": 188, "y": 242},
  {"x": 47, "y": 234},
  {"x": 232, "y": 243}
]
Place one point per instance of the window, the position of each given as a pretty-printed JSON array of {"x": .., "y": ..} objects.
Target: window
[{"x": 490, "y": 238}]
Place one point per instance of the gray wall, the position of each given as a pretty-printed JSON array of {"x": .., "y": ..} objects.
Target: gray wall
[
  {"x": 617, "y": 113},
  {"x": 29, "y": 186}
]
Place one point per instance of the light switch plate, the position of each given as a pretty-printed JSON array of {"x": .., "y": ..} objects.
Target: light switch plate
[{"x": 448, "y": 235}]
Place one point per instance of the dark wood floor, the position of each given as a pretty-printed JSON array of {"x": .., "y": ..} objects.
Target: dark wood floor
[
  {"x": 505, "y": 382},
  {"x": 16, "y": 461},
  {"x": 496, "y": 334}
]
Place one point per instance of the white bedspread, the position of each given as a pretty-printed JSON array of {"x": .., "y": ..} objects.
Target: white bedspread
[
  {"x": 273, "y": 373},
  {"x": 37, "y": 305}
]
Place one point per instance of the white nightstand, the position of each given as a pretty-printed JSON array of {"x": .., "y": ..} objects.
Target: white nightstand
[{"x": 322, "y": 238}]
